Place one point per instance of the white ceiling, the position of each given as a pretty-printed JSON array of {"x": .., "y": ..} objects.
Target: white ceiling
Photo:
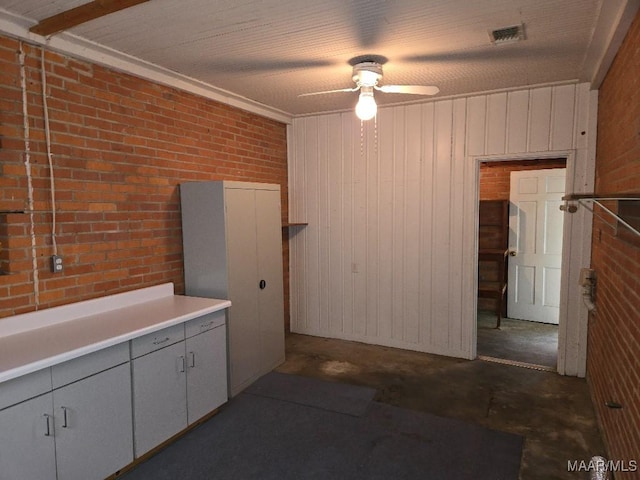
[{"x": 270, "y": 51}]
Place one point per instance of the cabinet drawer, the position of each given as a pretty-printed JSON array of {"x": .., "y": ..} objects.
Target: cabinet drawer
[
  {"x": 156, "y": 340},
  {"x": 87, "y": 365},
  {"x": 25, "y": 387},
  {"x": 204, "y": 323}
]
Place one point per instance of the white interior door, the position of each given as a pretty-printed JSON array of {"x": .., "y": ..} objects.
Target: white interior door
[{"x": 535, "y": 244}]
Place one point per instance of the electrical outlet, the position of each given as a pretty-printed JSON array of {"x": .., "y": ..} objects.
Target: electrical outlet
[{"x": 56, "y": 263}]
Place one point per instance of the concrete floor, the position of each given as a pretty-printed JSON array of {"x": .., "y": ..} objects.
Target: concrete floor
[
  {"x": 553, "y": 413},
  {"x": 519, "y": 340}
]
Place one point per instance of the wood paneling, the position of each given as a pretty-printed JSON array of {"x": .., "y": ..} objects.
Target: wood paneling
[{"x": 389, "y": 256}]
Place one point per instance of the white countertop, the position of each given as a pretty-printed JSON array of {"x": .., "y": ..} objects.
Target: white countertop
[{"x": 48, "y": 338}]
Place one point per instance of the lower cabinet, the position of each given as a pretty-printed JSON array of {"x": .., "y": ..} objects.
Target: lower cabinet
[
  {"x": 93, "y": 430},
  {"x": 87, "y": 418},
  {"x": 27, "y": 445},
  {"x": 179, "y": 381},
  {"x": 159, "y": 396},
  {"x": 207, "y": 372},
  {"x": 80, "y": 431}
]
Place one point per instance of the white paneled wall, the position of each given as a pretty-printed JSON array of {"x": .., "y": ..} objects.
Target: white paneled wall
[{"x": 389, "y": 255}]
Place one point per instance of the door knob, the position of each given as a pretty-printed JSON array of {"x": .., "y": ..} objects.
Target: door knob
[{"x": 513, "y": 253}]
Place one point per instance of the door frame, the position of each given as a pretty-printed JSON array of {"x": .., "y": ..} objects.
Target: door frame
[{"x": 572, "y": 324}]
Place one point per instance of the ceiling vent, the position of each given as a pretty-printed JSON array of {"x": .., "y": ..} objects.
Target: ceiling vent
[{"x": 507, "y": 34}]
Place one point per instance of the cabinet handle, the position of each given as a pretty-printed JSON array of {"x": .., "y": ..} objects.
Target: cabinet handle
[
  {"x": 181, "y": 364},
  {"x": 192, "y": 359},
  {"x": 262, "y": 284},
  {"x": 48, "y": 432},
  {"x": 160, "y": 342},
  {"x": 206, "y": 325},
  {"x": 65, "y": 423}
]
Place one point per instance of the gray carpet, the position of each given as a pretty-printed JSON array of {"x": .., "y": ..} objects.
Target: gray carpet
[{"x": 259, "y": 437}]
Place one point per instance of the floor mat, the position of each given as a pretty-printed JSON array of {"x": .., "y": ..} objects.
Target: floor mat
[{"x": 259, "y": 437}]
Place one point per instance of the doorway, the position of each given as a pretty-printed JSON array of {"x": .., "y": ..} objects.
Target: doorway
[{"x": 521, "y": 340}]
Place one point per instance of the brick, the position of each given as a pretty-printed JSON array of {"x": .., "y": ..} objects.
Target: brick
[
  {"x": 121, "y": 146},
  {"x": 614, "y": 338}
]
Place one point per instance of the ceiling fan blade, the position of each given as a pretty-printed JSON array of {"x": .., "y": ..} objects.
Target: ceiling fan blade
[
  {"x": 411, "y": 89},
  {"x": 329, "y": 91}
]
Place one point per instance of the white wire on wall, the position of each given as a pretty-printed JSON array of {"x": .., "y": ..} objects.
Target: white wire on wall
[
  {"x": 27, "y": 166},
  {"x": 47, "y": 136}
]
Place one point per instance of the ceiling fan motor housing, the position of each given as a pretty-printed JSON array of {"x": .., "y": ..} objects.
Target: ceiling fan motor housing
[{"x": 367, "y": 74}]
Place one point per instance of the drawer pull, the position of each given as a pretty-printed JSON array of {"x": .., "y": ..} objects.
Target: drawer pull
[
  {"x": 161, "y": 341},
  {"x": 192, "y": 359},
  {"x": 65, "y": 423},
  {"x": 48, "y": 432},
  {"x": 206, "y": 325},
  {"x": 181, "y": 364}
]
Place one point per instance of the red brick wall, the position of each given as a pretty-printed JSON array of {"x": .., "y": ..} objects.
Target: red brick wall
[
  {"x": 495, "y": 176},
  {"x": 613, "y": 362},
  {"x": 121, "y": 146}
]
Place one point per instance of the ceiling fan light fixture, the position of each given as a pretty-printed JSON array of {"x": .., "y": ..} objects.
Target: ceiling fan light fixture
[
  {"x": 367, "y": 74},
  {"x": 366, "y": 108}
]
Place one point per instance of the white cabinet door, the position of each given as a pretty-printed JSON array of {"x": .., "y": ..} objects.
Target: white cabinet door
[
  {"x": 206, "y": 372},
  {"x": 93, "y": 421},
  {"x": 159, "y": 396},
  {"x": 27, "y": 447}
]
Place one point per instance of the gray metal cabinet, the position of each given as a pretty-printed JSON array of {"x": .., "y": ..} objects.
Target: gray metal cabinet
[
  {"x": 232, "y": 241},
  {"x": 71, "y": 421},
  {"x": 92, "y": 414},
  {"x": 28, "y": 449},
  {"x": 27, "y": 443},
  {"x": 159, "y": 388},
  {"x": 177, "y": 381},
  {"x": 206, "y": 371},
  {"x": 93, "y": 425}
]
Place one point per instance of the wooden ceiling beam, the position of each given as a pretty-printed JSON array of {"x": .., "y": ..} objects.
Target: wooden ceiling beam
[{"x": 83, "y": 13}]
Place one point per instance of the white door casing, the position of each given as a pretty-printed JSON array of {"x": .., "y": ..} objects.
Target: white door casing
[{"x": 535, "y": 244}]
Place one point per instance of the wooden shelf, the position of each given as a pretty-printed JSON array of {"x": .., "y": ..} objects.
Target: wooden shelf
[
  {"x": 490, "y": 253},
  {"x": 493, "y": 252},
  {"x": 294, "y": 224}
]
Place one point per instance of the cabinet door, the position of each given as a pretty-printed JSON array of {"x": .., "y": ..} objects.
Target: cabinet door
[
  {"x": 244, "y": 331},
  {"x": 207, "y": 372},
  {"x": 271, "y": 297},
  {"x": 93, "y": 422},
  {"x": 159, "y": 396},
  {"x": 27, "y": 447}
]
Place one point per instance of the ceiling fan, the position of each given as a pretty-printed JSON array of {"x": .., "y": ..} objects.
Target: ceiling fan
[{"x": 367, "y": 73}]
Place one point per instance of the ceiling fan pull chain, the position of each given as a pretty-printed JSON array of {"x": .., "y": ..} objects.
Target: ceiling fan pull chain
[
  {"x": 361, "y": 139},
  {"x": 375, "y": 137}
]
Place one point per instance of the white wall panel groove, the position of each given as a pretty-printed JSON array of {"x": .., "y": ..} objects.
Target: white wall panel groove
[{"x": 389, "y": 255}]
